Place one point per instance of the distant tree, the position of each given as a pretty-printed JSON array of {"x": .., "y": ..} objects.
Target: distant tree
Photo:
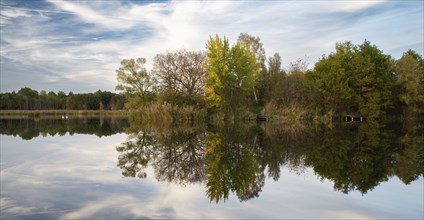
[
  {"x": 62, "y": 99},
  {"x": 29, "y": 98},
  {"x": 117, "y": 102},
  {"x": 6, "y": 101},
  {"x": 134, "y": 81},
  {"x": 52, "y": 101},
  {"x": 104, "y": 99}
]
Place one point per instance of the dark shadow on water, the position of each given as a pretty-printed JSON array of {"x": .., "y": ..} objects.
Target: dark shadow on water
[{"x": 29, "y": 128}]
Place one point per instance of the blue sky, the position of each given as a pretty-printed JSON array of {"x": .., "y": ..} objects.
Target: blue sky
[{"x": 77, "y": 45}]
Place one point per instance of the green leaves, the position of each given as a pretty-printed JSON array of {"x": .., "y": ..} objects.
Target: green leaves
[
  {"x": 134, "y": 81},
  {"x": 355, "y": 79},
  {"x": 409, "y": 79},
  {"x": 231, "y": 73}
]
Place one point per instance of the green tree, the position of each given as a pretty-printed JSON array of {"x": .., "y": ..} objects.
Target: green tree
[
  {"x": 271, "y": 78},
  {"x": 355, "y": 79},
  {"x": 134, "y": 81},
  {"x": 117, "y": 102},
  {"x": 254, "y": 45},
  {"x": 371, "y": 80},
  {"x": 62, "y": 99},
  {"x": 274, "y": 65},
  {"x": 330, "y": 78},
  {"x": 29, "y": 98},
  {"x": 409, "y": 79},
  {"x": 231, "y": 74}
]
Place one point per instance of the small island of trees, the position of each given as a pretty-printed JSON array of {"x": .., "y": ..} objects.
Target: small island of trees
[{"x": 238, "y": 82}]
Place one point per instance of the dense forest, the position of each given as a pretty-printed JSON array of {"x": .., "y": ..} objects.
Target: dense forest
[
  {"x": 29, "y": 99},
  {"x": 238, "y": 81}
]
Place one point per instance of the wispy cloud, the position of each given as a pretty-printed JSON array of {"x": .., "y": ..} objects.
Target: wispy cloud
[{"x": 82, "y": 42}]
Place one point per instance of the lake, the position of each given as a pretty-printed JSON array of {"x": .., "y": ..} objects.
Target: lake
[{"x": 112, "y": 167}]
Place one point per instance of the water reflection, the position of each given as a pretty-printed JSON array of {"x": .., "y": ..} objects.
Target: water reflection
[
  {"x": 369, "y": 154},
  {"x": 176, "y": 153},
  {"x": 236, "y": 158},
  {"x": 29, "y": 128},
  {"x": 71, "y": 177}
]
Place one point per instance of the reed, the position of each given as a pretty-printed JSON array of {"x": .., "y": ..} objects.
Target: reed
[
  {"x": 165, "y": 113},
  {"x": 294, "y": 114}
]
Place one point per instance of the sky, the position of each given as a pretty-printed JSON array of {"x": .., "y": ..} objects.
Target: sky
[{"x": 77, "y": 45}]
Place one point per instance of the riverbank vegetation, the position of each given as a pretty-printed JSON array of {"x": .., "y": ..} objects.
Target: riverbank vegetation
[{"x": 233, "y": 82}]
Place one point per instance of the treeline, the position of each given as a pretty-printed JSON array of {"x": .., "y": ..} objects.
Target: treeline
[
  {"x": 238, "y": 81},
  {"x": 29, "y": 99}
]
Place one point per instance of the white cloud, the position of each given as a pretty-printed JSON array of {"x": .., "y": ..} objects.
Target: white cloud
[
  {"x": 353, "y": 6},
  {"x": 9, "y": 207},
  {"x": 112, "y": 15},
  {"x": 88, "y": 39},
  {"x": 7, "y": 14},
  {"x": 14, "y": 13}
]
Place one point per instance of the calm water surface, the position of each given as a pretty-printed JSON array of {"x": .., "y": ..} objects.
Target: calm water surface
[{"x": 85, "y": 168}]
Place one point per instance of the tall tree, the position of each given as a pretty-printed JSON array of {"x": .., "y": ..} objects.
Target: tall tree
[
  {"x": 134, "y": 80},
  {"x": 231, "y": 74},
  {"x": 217, "y": 62},
  {"x": 355, "y": 79},
  {"x": 274, "y": 65},
  {"x": 180, "y": 76},
  {"x": 371, "y": 80},
  {"x": 409, "y": 78},
  {"x": 254, "y": 45},
  {"x": 331, "y": 79},
  {"x": 271, "y": 78}
]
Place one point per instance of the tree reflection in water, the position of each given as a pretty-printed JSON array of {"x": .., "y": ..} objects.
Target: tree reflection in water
[
  {"x": 177, "y": 154},
  {"x": 29, "y": 128},
  {"x": 236, "y": 158},
  {"x": 232, "y": 163},
  {"x": 361, "y": 156}
]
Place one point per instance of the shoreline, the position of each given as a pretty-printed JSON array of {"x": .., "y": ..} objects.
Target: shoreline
[{"x": 60, "y": 113}]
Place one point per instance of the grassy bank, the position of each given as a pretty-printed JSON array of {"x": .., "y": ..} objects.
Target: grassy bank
[{"x": 41, "y": 113}]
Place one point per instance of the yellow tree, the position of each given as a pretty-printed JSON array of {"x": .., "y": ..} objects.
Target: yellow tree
[{"x": 231, "y": 74}]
